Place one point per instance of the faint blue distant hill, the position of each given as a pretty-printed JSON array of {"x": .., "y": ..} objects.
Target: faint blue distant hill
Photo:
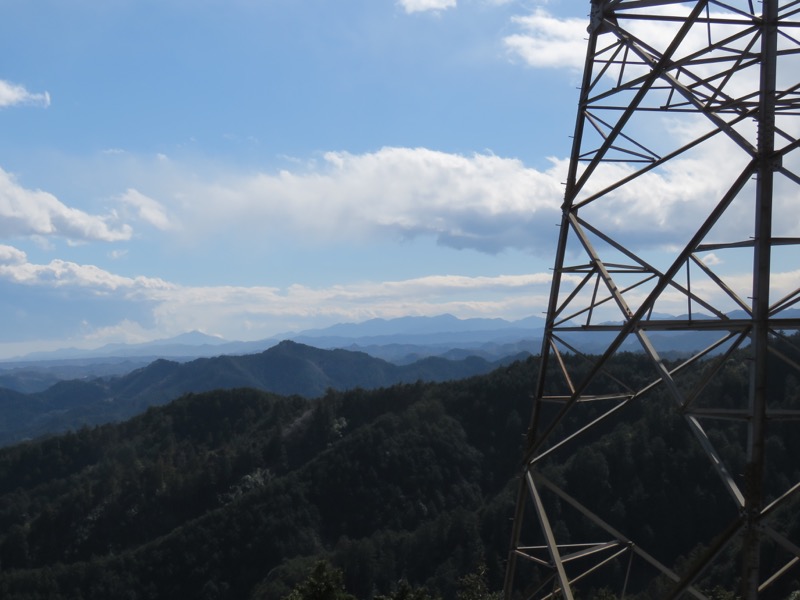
[
  {"x": 192, "y": 343},
  {"x": 402, "y": 341},
  {"x": 442, "y": 329},
  {"x": 440, "y": 325},
  {"x": 407, "y": 339}
]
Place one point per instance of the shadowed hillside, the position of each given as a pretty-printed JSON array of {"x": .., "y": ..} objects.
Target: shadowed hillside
[{"x": 236, "y": 493}]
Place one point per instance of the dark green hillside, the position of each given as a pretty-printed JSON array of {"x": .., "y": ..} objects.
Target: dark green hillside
[
  {"x": 27, "y": 381},
  {"x": 221, "y": 489},
  {"x": 237, "y": 494},
  {"x": 17, "y": 410}
]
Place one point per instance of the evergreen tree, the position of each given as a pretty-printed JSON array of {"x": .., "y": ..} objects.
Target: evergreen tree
[
  {"x": 323, "y": 583},
  {"x": 404, "y": 591},
  {"x": 474, "y": 586}
]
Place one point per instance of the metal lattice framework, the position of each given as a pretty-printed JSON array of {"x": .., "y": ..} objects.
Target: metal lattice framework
[{"x": 683, "y": 193}]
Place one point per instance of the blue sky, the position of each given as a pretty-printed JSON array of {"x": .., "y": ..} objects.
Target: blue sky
[{"x": 251, "y": 167}]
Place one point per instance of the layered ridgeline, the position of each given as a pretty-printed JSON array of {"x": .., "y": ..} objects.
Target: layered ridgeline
[
  {"x": 401, "y": 341},
  {"x": 55, "y": 391},
  {"x": 236, "y": 494},
  {"x": 287, "y": 368}
]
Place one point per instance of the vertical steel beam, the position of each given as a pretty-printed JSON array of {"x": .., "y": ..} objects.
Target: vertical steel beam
[
  {"x": 766, "y": 165},
  {"x": 552, "y": 309}
]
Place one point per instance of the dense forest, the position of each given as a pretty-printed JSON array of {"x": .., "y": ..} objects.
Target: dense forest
[{"x": 403, "y": 492}]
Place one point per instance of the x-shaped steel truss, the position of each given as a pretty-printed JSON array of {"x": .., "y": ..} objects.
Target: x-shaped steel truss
[{"x": 691, "y": 111}]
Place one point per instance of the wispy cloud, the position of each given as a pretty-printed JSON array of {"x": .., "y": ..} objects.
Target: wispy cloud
[
  {"x": 12, "y": 94},
  {"x": 412, "y": 6},
  {"x": 25, "y": 212},
  {"x": 146, "y": 209}
]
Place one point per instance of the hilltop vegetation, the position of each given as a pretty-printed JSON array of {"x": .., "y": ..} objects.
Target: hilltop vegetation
[{"x": 239, "y": 493}]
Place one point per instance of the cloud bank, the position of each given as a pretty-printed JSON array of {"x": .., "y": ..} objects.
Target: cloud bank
[{"x": 481, "y": 202}]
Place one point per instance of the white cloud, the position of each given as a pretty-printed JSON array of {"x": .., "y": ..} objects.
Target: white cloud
[
  {"x": 117, "y": 254},
  {"x": 60, "y": 273},
  {"x": 412, "y": 6},
  {"x": 123, "y": 332},
  {"x": 482, "y": 201},
  {"x": 148, "y": 210},
  {"x": 662, "y": 207},
  {"x": 11, "y": 256},
  {"x": 711, "y": 259},
  {"x": 548, "y": 41},
  {"x": 12, "y": 94},
  {"x": 25, "y": 212}
]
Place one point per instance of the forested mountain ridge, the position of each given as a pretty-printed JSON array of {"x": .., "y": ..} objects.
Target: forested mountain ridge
[
  {"x": 287, "y": 368},
  {"x": 236, "y": 493}
]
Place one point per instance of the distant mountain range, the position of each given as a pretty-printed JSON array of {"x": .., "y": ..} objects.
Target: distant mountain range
[
  {"x": 401, "y": 341},
  {"x": 442, "y": 330},
  {"x": 287, "y": 368}
]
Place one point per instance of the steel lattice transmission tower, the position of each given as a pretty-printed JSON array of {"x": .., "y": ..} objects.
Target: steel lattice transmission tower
[{"x": 683, "y": 190}]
